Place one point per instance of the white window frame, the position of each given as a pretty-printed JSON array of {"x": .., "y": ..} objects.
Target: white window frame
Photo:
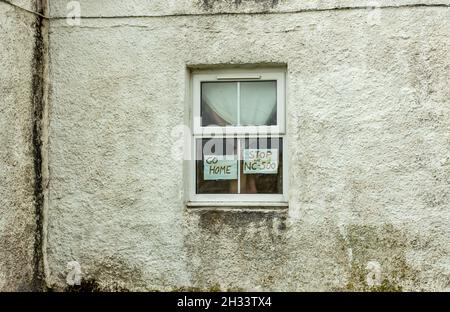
[{"x": 238, "y": 132}]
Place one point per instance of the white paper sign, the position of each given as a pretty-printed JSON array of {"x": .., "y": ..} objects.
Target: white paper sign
[
  {"x": 219, "y": 167},
  {"x": 261, "y": 161}
]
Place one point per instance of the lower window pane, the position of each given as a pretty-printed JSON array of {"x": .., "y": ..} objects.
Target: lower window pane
[
  {"x": 216, "y": 166},
  {"x": 261, "y": 166},
  {"x": 258, "y": 169}
]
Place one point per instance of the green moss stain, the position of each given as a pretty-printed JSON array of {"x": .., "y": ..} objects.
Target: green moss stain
[
  {"x": 358, "y": 282},
  {"x": 384, "y": 244}
]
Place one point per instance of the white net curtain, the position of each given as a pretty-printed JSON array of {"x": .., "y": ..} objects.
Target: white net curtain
[{"x": 257, "y": 102}]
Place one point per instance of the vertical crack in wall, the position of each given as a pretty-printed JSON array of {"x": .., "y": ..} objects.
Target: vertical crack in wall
[{"x": 38, "y": 98}]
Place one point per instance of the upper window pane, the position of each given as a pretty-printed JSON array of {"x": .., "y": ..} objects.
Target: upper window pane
[
  {"x": 244, "y": 103},
  {"x": 258, "y": 103},
  {"x": 219, "y": 104}
]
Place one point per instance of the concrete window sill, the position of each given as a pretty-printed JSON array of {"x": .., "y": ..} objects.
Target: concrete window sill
[{"x": 238, "y": 205}]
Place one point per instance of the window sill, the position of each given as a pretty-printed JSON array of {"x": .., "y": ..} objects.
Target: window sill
[{"x": 238, "y": 205}]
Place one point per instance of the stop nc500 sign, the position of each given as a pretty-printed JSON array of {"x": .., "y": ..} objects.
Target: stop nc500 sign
[{"x": 261, "y": 161}]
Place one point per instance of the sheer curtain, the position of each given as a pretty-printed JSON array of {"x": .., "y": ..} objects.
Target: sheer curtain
[
  {"x": 220, "y": 99},
  {"x": 257, "y": 103}
]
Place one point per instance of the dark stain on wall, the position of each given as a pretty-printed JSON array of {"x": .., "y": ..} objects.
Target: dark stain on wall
[
  {"x": 210, "y": 4},
  {"x": 38, "y": 67},
  {"x": 246, "y": 242},
  {"x": 213, "y": 221}
]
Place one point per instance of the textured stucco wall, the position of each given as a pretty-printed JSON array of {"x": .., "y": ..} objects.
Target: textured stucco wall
[
  {"x": 29, "y": 5},
  {"x": 17, "y": 212},
  {"x": 368, "y": 123},
  {"x": 114, "y": 8}
]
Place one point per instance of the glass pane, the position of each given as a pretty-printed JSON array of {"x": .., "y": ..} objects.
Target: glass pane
[
  {"x": 262, "y": 166},
  {"x": 258, "y": 102},
  {"x": 216, "y": 166},
  {"x": 219, "y": 103}
]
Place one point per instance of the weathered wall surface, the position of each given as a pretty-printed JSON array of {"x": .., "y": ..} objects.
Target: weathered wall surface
[
  {"x": 368, "y": 116},
  {"x": 17, "y": 210},
  {"x": 139, "y": 8}
]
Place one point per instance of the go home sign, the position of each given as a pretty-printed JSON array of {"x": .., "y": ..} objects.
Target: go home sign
[{"x": 219, "y": 167}]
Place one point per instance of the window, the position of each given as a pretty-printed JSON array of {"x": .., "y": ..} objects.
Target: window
[{"x": 238, "y": 137}]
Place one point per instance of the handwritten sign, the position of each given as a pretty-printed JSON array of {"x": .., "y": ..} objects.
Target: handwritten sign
[
  {"x": 260, "y": 161},
  {"x": 219, "y": 167}
]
